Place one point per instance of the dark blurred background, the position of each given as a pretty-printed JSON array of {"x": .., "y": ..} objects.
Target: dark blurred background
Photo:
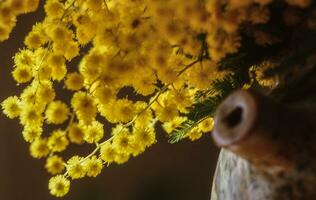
[{"x": 180, "y": 171}]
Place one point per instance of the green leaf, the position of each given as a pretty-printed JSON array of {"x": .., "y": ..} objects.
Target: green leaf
[{"x": 206, "y": 104}]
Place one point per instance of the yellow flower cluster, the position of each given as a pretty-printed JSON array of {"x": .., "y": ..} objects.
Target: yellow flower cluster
[
  {"x": 166, "y": 51},
  {"x": 9, "y": 10},
  {"x": 258, "y": 74}
]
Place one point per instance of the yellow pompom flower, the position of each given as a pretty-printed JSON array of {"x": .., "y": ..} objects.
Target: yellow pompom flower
[
  {"x": 84, "y": 106},
  {"x": 56, "y": 60},
  {"x": 94, "y": 132},
  {"x": 137, "y": 148},
  {"x": 59, "y": 72},
  {"x": 167, "y": 75},
  {"x": 145, "y": 136},
  {"x": 24, "y": 58},
  {"x": 173, "y": 124},
  {"x": 11, "y": 107},
  {"x": 167, "y": 112},
  {"x": 31, "y": 133},
  {"x": 107, "y": 111},
  {"x": 86, "y": 28},
  {"x": 39, "y": 148},
  {"x": 31, "y": 115},
  {"x": 144, "y": 116},
  {"x": 93, "y": 166},
  {"x": 145, "y": 84},
  {"x": 206, "y": 125},
  {"x": 202, "y": 74},
  {"x": 22, "y": 74},
  {"x": 124, "y": 110},
  {"x": 94, "y": 5},
  {"x": 183, "y": 98},
  {"x": 107, "y": 153},
  {"x": 74, "y": 81},
  {"x": 121, "y": 158},
  {"x": 54, "y": 9},
  {"x": 59, "y": 186},
  {"x": 122, "y": 141},
  {"x": 259, "y": 72},
  {"x": 104, "y": 94},
  {"x": 75, "y": 167},
  {"x": 40, "y": 54},
  {"x": 34, "y": 40},
  {"x": 45, "y": 92},
  {"x": 54, "y": 165},
  {"x": 4, "y": 32},
  {"x": 194, "y": 134},
  {"x": 84, "y": 35},
  {"x": 44, "y": 72},
  {"x": 58, "y": 141},
  {"x": 28, "y": 95},
  {"x": 57, "y": 112},
  {"x": 72, "y": 50},
  {"x": 31, "y": 5},
  {"x": 76, "y": 133},
  {"x": 60, "y": 34},
  {"x": 90, "y": 67},
  {"x": 17, "y": 6}
]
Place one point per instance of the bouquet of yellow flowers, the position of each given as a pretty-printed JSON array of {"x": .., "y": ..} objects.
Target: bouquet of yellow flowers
[{"x": 132, "y": 65}]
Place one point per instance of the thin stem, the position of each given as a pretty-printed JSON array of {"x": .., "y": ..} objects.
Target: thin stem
[
  {"x": 71, "y": 121},
  {"x": 106, "y": 141},
  {"x": 106, "y": 6},
  {"x": 91, "y": 154}
]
